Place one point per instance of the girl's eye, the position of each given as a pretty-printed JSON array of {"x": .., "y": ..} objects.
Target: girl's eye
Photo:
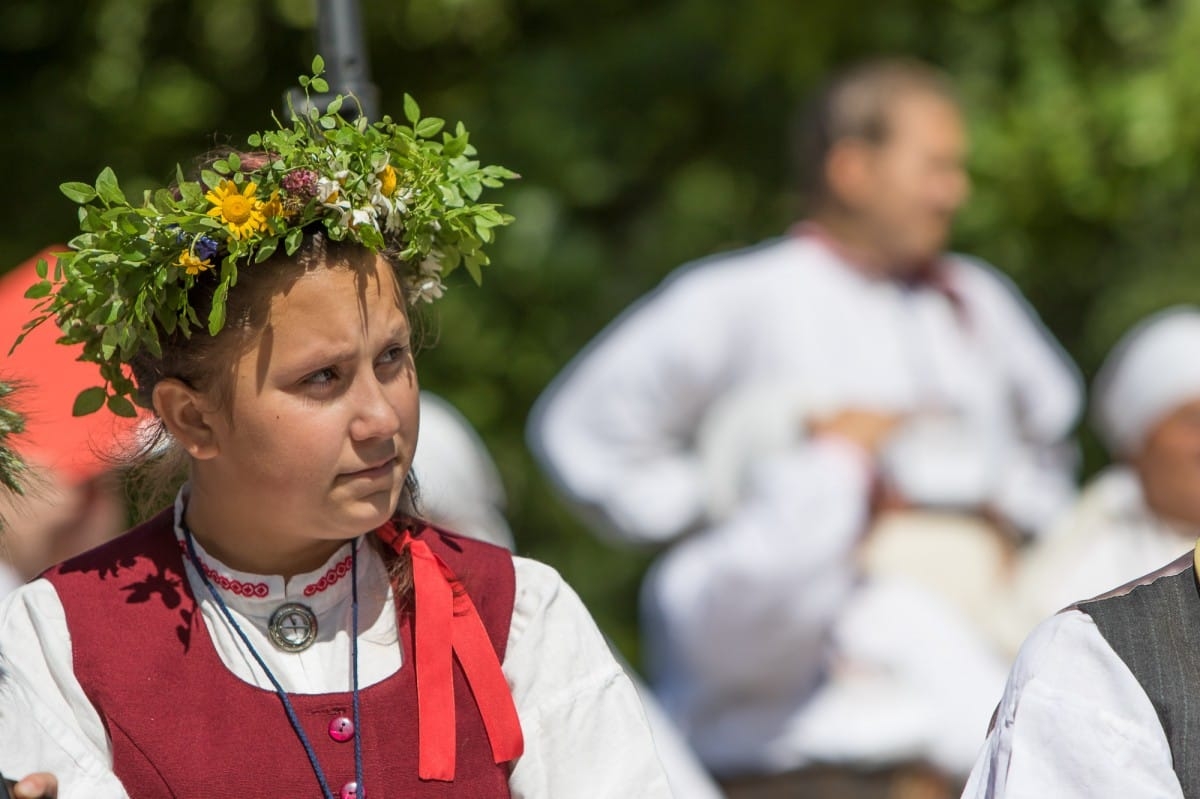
[
  {"x": 321, "y": 377},
  {"x": 393, "y": 354}
]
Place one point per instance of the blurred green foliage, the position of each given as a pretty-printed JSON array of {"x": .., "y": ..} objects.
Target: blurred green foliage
[{"x": 647, "y": 133}]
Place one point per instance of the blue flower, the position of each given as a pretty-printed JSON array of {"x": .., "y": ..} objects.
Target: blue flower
[{"x": 206, "y": 248}]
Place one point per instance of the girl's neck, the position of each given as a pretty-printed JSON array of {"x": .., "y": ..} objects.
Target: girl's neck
[{"x": 247, "y": 543}]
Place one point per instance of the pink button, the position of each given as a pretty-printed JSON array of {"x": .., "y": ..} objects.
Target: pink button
[
  {"x": 350, "y": 790},
  {"x": 341, "y": 729}
]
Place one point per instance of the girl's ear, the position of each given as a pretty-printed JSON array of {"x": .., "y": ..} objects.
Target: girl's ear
[{"x": 186, "y": 412}]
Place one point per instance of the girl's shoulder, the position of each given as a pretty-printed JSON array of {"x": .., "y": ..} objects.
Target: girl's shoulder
[
  {"x": 149, "y": 545},
  {"x": 546, "y": 608}
]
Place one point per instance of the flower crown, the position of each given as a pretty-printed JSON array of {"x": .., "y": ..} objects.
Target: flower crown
[{"x": 383, "y": 185}]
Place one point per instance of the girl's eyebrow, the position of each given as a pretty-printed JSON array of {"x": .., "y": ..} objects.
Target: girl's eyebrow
[{"x": 321, "y": 353}]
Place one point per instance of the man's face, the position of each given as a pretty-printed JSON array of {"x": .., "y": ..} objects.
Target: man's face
[
  {"x": 915, "y": 181},
  {"x": 1169, "y": 466}
]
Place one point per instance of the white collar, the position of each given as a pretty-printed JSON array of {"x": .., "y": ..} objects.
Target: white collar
[{"x": 259, "y": 594}]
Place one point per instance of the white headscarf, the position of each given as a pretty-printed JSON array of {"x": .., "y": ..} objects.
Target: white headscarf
[{"x": 1153, "y": 370}]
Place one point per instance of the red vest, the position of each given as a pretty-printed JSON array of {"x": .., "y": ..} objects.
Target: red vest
[{"x": 183, "y": 726}]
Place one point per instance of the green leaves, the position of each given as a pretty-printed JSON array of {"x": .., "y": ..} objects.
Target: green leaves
[
  {"x": 429, "y": 127},
  {"x": 265, "y": 250},
  {"x": 291, "y": 242},
  {"x": 121, "y": 406},
  {"x": 89, "y": 400},
  {"x": 383, "y": 185},
  {"x": 412, "y": 111},
  {"x": 216, "y": 317},
  {"x": 38, "y": 290},
  {"x": 78, "y": 192},
  {"x": 107, "y": 188}
]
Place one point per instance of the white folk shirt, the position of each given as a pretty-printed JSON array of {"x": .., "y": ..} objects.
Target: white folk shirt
[
  {"x": 1107, "y": 539},
  {"x": 557, "y": 664},
  {"x": 1074, "y": 723},
  {"x": 739, "y": 611}
]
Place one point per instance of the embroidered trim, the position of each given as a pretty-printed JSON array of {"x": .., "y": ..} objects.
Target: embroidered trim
[
  {"x": 255, "y": 590},
  {"x": 330, "y": 577}
]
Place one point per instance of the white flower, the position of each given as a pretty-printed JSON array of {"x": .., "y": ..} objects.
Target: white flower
[
  {"x": 426, "y": 285},
  {"x": 428, "y": 289},
  {"x": 331, "y": 193},
  {"x": 391, "y": 209},
  {"x": 431, "y": 266},
  {"x": 363, "y": 216}
]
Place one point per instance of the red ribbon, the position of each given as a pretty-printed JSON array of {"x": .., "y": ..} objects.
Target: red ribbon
[{"x": 448, "y": 626}]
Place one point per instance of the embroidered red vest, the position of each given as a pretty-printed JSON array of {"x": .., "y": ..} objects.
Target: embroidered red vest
[{"x": 183, "y": 726}]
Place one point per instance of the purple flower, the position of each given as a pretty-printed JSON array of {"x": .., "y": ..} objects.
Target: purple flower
[
  {"x": 205, "y": 248},
  {"x": 300, "y": 183}
]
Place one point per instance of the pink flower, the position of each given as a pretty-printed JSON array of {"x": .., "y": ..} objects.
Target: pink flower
[{"x": 300, "y": 183}]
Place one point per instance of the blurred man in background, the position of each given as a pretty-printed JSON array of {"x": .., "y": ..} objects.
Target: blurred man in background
[{"x": 838, "y": 434}]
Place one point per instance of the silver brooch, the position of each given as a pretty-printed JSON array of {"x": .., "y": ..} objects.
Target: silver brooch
[{"x": 293, "y": 627}]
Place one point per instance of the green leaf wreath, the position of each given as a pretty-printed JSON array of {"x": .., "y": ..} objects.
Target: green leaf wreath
[{"x": 412, "y": 188}]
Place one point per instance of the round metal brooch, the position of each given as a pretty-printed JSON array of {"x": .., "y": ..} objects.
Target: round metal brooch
[{"x": 293, "y": 627}]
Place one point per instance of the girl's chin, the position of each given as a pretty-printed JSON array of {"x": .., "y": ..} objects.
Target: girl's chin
[{"x": 366, "y": 513}]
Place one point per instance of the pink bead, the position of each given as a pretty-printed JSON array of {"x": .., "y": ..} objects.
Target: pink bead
[
  {"x": 350, "y": 790},
  {"x": 341, "y": 729}
]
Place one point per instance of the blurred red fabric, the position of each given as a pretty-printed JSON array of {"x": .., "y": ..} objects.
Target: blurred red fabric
[{"x": 51, "y": 377}]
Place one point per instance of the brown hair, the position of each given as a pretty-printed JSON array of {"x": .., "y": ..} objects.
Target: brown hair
[
  {"x": 204, "y": 363},
  {"x": 855, "y": 104}
]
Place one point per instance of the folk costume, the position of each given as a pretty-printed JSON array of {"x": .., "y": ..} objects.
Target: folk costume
[
  {"x": 161, "y": 672},
  {"x": 147, "y": 697},
  {"x": 1100, "y": 699},
  {"x": 683, "y": 424}
]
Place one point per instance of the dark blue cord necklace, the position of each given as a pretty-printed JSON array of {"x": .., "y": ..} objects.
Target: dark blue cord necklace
[{"x": 282, "y": 694}]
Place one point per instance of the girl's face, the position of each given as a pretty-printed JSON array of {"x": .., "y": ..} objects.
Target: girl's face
[{"x": 323, "y": 421}]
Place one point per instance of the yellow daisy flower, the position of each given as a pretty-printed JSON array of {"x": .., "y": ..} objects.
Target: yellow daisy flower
[
  {"x": 387, "y": 180},
  {"x": 191, "y": 264},
  {"x": 272, "y": 208},
  {"x": 241, "y": 211}
]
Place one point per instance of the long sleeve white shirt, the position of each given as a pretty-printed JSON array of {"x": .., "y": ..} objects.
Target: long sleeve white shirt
[
  {"x": 584, "y": 728},
  {"x": 617, "y": 429},
  {"x": 740, "y": 610},
  {"x": 1074, "y": 723}
]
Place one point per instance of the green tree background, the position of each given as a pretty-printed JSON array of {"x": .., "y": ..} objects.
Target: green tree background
[{"x": 648, "y": 133}]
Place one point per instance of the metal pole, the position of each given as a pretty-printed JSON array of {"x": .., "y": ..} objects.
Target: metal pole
[{"x": 347, "y": 68}]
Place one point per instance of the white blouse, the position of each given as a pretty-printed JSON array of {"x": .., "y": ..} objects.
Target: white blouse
[
  {"x": 1073, "y": 723},
  {"x": 557, "y": 664}
]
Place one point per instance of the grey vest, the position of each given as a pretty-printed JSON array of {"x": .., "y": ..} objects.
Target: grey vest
[{"x": 1155, "y": 629}]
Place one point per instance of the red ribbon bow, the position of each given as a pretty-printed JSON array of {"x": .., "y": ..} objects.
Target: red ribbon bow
[{"x": 448, "y": 625}]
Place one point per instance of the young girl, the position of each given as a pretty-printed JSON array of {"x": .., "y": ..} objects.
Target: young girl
[{"x": 290, "y": 627}]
